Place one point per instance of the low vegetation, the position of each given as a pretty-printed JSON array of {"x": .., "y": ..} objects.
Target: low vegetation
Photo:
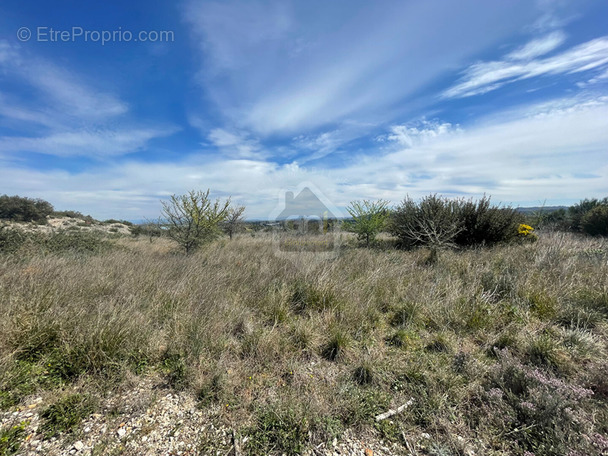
[{"x": 501, "y": 349}]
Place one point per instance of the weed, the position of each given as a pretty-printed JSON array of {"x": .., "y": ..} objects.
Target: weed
[
  {"x": 65, "y": 414},
  {"x": 439, "y": 343},
  {"x": 405, "y": 315},
  {"x": 11, "y": 438},
  {"x": 335, "y": 346},
  {"x": 285, "y": 430},
  {"x": 176, "y": 371},
  {"x": 364, "y": 373},
  {"x": 402, "y": 338},
  {"x": 306, "y": 297}
]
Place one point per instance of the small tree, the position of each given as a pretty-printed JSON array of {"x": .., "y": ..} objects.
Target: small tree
[
  {"x": 193, "y": 218},
  {"x": 234, "y": 221},
  {"x": 369, "y": 218}
]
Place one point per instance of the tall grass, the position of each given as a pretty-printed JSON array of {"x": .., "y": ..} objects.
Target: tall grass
[{"x": 302, "y": 349}]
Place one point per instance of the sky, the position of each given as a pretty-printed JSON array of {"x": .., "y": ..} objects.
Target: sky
[{"x": 110, "y": 107}]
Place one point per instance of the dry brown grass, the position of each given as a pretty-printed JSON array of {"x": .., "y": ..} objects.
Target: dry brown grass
[{"x": 250, "y": 332}]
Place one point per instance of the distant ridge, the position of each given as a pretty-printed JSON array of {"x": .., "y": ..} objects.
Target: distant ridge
[{"x": 527, "y": 210}]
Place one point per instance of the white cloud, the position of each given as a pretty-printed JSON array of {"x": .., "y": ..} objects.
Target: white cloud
[
  {"x": 74, "y": 97},
  {"x": 235, "y": 145},
  {"x": 483, "y": 77},
  {"x": 58, "y": 88},
  {"x": 410, "y": 136},
  {"x": 555, "y": 151},
  {"x": 538, "y": 47},
  {"x": 7, "y": 51},
  {"x": 316, "y": 146},
  {"x": 275, "y": 70},
  {"x": 597, "y": 79},
  {"x": 92, "y": 144},
  {"x": 63, "y": 115}
]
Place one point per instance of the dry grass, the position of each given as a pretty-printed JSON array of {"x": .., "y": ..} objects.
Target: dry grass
[{"x": 326, "y": 345}]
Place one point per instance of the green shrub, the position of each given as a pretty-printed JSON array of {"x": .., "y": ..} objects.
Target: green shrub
[
  {"x": 176, "y": 370},
  {"x": 75, "y": 242},
  {"x": 17, "y": 380},
  {"x": 151, "y": 230},
  {"x": 11, "y": 240},
  {"x": 71, "y": 214},
  {"x": 550, "y": 219},
  {"x": 405, "y": 314},
  {"x": 363, "y": 374},
  {"x": 577, "y": 212},
  {"x": 22, "y": 209},
  {"x": 544, "y": 351},
  {"x": 362, "y": 404},
  {"x": 484, "y": 224},
  {"x": 595, "y": 222},
  {"x": 59, "y": 242},
  {"x": 440, "y": 222},
  {"x": 401, "y": 338},
  {"x": 286, "y": 429},
  {"x": 114, "y": 221},
  {"x": 212, "y": 391},
  {"x": 439, "y": 344}
]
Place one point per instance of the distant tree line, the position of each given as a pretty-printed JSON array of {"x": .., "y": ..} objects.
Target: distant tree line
[
  {"x": 194, "y": 219},
  {"x": 589, "y": 216}
]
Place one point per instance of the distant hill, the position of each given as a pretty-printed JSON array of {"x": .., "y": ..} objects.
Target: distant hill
[{"x": 530, "y": 210}]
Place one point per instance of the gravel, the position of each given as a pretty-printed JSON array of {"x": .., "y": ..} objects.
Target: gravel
[{"x": 151, "y": 419}]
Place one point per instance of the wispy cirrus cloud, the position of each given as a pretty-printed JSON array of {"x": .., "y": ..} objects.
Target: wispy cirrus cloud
[
  {"x": 235, "y": 144},
  {"x": 92, "y": 144},
  {"x": 538, "y": 47},
  {"x": 56, "y": 87},
  {"x": 274, "y": 68},
  {"x": 521, "y": 64},
  {"x": 62, "y": 115}
]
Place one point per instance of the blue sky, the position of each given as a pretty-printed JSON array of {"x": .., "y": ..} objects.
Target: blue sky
[{"x": 254, "y": 98}]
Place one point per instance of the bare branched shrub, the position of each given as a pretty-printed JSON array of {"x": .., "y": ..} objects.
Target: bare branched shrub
[
  {"x": 439, "y": 222},
  {"x": 193, "y": 219},
  {"x": 434, "y": 223}
]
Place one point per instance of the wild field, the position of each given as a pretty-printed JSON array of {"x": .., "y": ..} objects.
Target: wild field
[{"x": 496, "y": 351}]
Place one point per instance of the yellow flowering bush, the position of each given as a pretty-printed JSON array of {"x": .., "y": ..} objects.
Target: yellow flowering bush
[
  {"x": 524, "y": 229},
  {"x": 526, "y": 232}
]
